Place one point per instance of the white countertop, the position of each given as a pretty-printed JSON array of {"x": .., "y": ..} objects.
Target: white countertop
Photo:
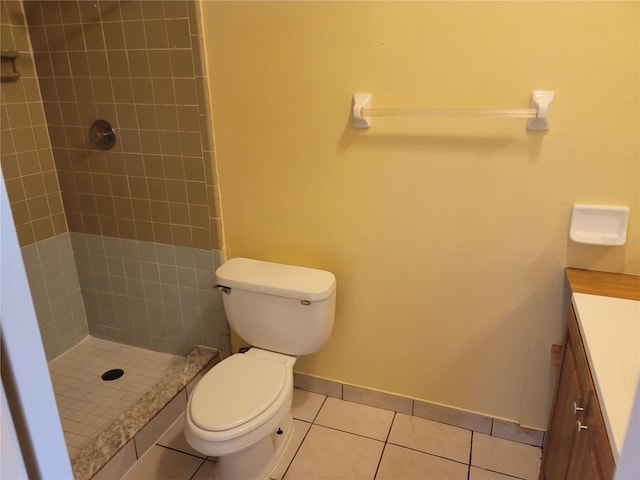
[{"x": 610, "y": 329}]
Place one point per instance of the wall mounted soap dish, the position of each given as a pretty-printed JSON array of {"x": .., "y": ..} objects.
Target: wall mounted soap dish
[
  {"x": 599, "y": 225},
  {"x": 8, "y": 66}
]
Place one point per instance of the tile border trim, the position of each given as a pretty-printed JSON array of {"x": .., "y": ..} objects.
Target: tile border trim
[{"x": 477, "y": 422}]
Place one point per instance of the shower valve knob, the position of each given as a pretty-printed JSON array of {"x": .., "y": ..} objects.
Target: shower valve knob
[{"x": 102, "y": 135}]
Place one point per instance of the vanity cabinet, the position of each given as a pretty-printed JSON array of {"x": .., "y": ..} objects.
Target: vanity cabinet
[{"x": 576, "y": 444}]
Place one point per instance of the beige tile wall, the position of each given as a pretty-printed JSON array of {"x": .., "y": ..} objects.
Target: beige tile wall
[
  {"x": 136, "y": 64},
  {"x": 26, "y": 156}
]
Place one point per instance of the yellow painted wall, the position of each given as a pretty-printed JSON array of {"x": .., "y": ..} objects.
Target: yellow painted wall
[{"x": 448, "y": 237}]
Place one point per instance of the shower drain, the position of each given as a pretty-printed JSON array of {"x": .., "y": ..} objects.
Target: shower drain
[{"x": 113, "y": 374}]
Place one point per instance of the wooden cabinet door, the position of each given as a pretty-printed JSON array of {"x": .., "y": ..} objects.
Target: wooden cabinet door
[
  {"x": 561, "y": 434},
  {"x": 597, "y": 463},
  {"x": 569, "y": 454}
]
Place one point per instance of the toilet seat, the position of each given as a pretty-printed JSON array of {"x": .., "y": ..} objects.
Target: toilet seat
[{"x": 252, "y": 384}]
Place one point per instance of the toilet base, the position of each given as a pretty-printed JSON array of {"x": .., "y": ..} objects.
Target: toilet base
[{"x": 257, "y": 461}]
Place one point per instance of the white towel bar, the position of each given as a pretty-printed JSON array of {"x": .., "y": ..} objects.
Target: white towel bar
[{"x": 536, "y": 113}]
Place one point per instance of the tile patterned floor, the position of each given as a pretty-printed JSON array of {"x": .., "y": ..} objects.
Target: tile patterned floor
[
  {"x": 335, "y": 439},
  {"x": 88, "y": 404}
]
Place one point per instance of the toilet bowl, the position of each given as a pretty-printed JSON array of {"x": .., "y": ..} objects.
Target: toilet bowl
[{"x": 240, "y": 413}]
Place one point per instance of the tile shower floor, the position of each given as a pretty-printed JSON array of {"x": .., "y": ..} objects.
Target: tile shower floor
[
  {"x": 335, "y": 439},
  {"x": 86, "y": 403}
]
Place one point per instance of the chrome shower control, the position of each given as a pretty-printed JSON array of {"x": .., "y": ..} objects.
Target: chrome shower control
[{"x": 102, "y": 135}]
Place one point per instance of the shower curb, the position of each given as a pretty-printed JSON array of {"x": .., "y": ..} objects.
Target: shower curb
[{"x": 146, "y": 437}]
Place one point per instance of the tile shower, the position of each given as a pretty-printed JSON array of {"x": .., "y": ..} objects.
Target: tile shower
[
  {"x": 145, "y": 294},
  {"x": 120, "y": 244}
]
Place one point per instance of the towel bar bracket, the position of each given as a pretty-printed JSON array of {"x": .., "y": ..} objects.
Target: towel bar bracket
[
  {"x": 540, "y": 99},
  {"x": 360, "y": 102}
]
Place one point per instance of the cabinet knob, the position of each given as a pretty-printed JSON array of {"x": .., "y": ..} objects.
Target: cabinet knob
[
  {"x": 575, "y": 408},
  {"x": 580, "y": 427}
]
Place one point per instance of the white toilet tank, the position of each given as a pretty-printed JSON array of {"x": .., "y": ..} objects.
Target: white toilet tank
[{"x": 277, "y": 307}]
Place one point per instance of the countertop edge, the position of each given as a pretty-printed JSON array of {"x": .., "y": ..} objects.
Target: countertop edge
[{"x": 605, "y": 284}]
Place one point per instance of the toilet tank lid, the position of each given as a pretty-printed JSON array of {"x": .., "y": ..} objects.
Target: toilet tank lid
[{"x": 278, "y": 279}]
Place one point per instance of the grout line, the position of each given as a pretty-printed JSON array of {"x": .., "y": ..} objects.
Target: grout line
[
  {"x": 335, "y": 429},
  {"x": 179, "y": 451},
  {"x": 313, "y": 421},
  {"x": 499, "y": 473},
  {"x": 470, "y": 455},
  {"x": 295, "y": 454},
  {"x": 135, "y": 449},
  {"x": 390, "y": 427},
  {"x": 384, "y": 447},
  {"x": 198, "y": 469},
  {"x": 423, "y": 452}
]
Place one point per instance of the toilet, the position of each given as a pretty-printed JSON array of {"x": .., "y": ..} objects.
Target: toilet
[{"x": 240, "y": 411}]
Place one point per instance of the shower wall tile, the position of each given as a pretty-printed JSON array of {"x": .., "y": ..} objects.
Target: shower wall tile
[
  {"x": 151, "y": 295},
  {"x": 55, "y": 290},
  {"x": 26, "y": 156},
  {"x": 157, "y": 186},
  {"x": 138, "y": 65}
]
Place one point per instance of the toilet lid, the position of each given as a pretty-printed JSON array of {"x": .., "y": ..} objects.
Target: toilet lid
[{"x": 235, "y": 391}]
